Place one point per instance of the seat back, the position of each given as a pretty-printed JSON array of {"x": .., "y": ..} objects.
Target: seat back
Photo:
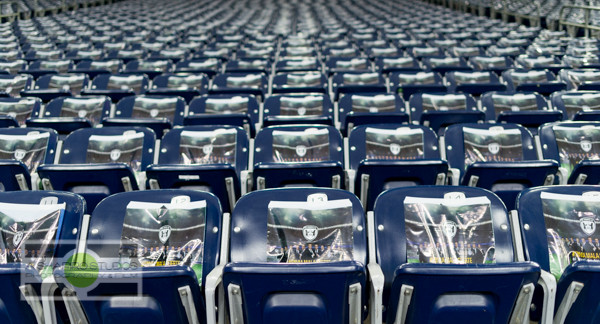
[
  {"x": 581, "y": 79},
  {"x": 316, "y": 235},
  {"x": 19, "y": 108},
  {"x": 439, "y": 110},
  {"x": 151, "y": 107},
  {"x": 72, "y": 82},
  {"x": 12, "y": 85},
  {"x": 92, "y": 108},
  {"x": 572, "y": 144},
  {"x": 364, "y": 108},
  {"x": 577, "y": 105},
  {"x": 558, "y": 225},
  {"x": 494, "y": 104},
  {"x": 285, "y": 109},
  {"x": 32, "y": 146},
  {"x": 133, "y": 146},
  {"x": 451, "y": 246},
  {"x": 121, "y": 82},
  {"x": 299, "y": 82},
  {"x": 408, "y": 83},
  {"x": 165, "y": 240}
]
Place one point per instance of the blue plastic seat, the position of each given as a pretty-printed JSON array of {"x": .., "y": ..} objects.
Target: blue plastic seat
[
  {"x": 474, "y": 82},
  {"x": 439, "y": 110},
  {"x": 528, "y": 109},
  {"x": 357, "y": 109},
  {"x": 385, "y": 156},
  {"x": 408, "y": 83},
  {"x": 446, "y": 64},
  {"x": 558, "y": 232},
  {"x": 298, "y": 109},
  {"x": 235, "y": 110},
  {"x": 304, "y": 82},
  {"x": 440, "y": 270},
  {"x": 539, "y": 62},
  {"x": 66, "y": 114},
  {"x": 388, "y": 65},
  {"x": 577, "y": 105},
  {"x": 209, "y": 158},
  {"x": 541, "y": 81},
  {"x": 498, "y": 157},
  {"x": 275, "y": 274},
  {"x": 185, "y": 85},
  {"x": 43, "y": 67},
  {"x": 151, "y": 68},
  {"x": 23, "y": 150},
  {"x": 348, "y": 64},
  {"x": 27, "y": 259},
  {"x": 574, "y": 146},
  {"x": 98, "y": 162},
  {"x": 12, "y": 66},
  {"x": 117, "y": 86},
  {"x": 249, "y": 65},
  {"x": 357, "y": 82},
  {"x": 158, "y": 113},
  {"x": 51, "y": 86},
  {"x": 297, "y": 65},
  {"x": 496, "y": 64},
  {"x": 581, "y": 79},
  {"x": 240, "y": 83},
  {"x": 208, "y": 66},
  {"x": 293, "y": 155},
  {"x": 156, "y": 249},
  {"x": 95, "y": 67},
  {"x": 15, "y": 111}
]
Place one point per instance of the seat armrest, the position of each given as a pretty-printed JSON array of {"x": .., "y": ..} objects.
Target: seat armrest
[
  {"x": 548, "y": 283},
  {"x": 213, "y": 280},
  {"x": 376, "y": 278}
]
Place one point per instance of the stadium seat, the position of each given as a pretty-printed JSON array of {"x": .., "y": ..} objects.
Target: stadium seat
[
  {"x": 541, "y": 81},
  {"x": 439, "y": 110},
  {"x": 357, "y": 82},
  {"x": 297, "y": 65},
  {"x": 155, "y": 249},
  {"x": 577, "y": 105},
  {"x": 158, "y": 113},
  {"x": 408, "y": 83},
  {"x": 386, "y": 65},
  {"x": 498, "y": 157},
  {"x": 209, "y": 158},
  {"x": 249, "y": 65},
  {"x": 528, "y": 109},
  {"x": 496, "y": 64},
  {"x": 40, "y": 230},
  {"x": 298, "y": 109},
  {"x": 240, "y": 83},
  {"x": 441, "y": 269},
  {"x": 98, "y": 162},
  {"x": 15, "y": 111},
  {"x": 581, "y": 79},
  {"x": 385, "y": 156},
  {"x": 208, "y": 66},
  {"x": 573, "y": 145},
  {"x": 304, "y": 82},
  {"x": 234, "y": 110},
  {"x": 185, "y": 85},
  {"x": 446, "y": 64},
  {"x": 66, "y": 114},
  {"x": 311, "y": 268},
  {"x": 117, "y": 86},
  {"x": 23, "y": 150},
  {"x": 474, "y": 83},
  {"x": 42, "y": 67},
  {"x": 355, "y": 109},
  {"x": 293, "y": 155},
  {"x": 95, "y": 67},
  {"x": 51, "y": 86},
  {"x": 558, "y": 232}
]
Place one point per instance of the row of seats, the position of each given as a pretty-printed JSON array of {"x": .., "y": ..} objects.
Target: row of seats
[
  {"x": 97, "y": 162},
  {"x": 302, "y": 253}
]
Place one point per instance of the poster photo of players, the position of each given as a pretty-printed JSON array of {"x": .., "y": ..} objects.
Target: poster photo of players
[
  {"x": 457, "y": 231},
  {"x": 156, "y": 234},
  {"x": 29, "y": 149},
  {"x": 309, "y": 145},
  {"x": 373, "y": 104},
  {"x": 576, "y": 144},
  {"x": 571, "y": 228},
  {"x": 125, "y": 148},
  {"x": 402, "y": 143},
  {"x": 306, "y": 232},
  {"x": 495, "y": 144},
  {"x": 29, "y": 233},
  {"x": 208, "y": 147}
]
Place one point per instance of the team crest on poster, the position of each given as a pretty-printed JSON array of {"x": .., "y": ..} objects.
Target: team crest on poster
[
  {"x": 494, "y": 148},
  {"x": 450, "y": 229},
  {"x": 586, "y": 145},
  {"x": 20, "y": 154},
  {"x": 18, "y": 237},
  {"x": 164, "y": 233},
  {"x": 588, "y": 225},
  {"x": 310, "y": 232},
  {"x": 395, "y": 148},
  {"x": 301, "y": 150},
  {"x": 115, "y": 154},
  {"x": 207, "y": 149},
  {"x": 301, "y": 111}
]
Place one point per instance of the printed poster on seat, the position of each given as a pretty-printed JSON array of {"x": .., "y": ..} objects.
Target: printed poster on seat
[
  {"x": 495, "y": 144},
  {"x": 157, "y": 234},
  {"x": 454, "y": 231},
  {"x": 307, "y": 232}
]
